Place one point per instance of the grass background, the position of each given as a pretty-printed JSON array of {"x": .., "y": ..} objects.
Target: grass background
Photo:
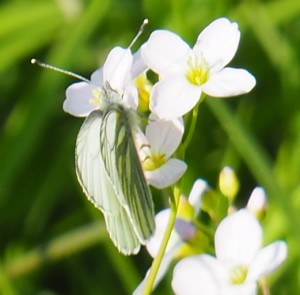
[{"x": 52, "y": 240}]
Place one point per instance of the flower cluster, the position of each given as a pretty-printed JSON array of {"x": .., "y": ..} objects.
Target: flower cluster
[
  {"x": 161, "y": 138},
  {"x": 184, "y": 75},
  {"x": 239, "y": 262}
]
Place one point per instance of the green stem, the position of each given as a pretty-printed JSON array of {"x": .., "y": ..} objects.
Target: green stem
[
  {"x": 6, "y": 285},
  {"x": 161, "y": 252},
  {"x": 191, "y": 130},
  {"x": 174, "y": 202}
]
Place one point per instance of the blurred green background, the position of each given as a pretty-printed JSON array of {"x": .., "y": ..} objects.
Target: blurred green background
[{"x": 52, "y": 240}]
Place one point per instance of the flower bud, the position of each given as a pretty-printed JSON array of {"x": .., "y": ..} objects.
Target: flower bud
[
  {"x": 257, "y": 203},
  {"x": 228, "y": 183}
]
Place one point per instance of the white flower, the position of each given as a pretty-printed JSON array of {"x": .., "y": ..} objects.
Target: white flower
[
  {"x": 84, "y": 97},
  {"x": 183, "y": 228},
  {"x": 161, "y": 140},
  {"x": 239, "y": 263},
  {"x": 183, "y": 231},
  {"x": 185, "y": 73}
]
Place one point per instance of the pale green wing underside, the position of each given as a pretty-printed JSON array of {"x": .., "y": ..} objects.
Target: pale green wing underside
[
  {"x": 123, "y": 166},
  {"x": 98, "y": 187}
]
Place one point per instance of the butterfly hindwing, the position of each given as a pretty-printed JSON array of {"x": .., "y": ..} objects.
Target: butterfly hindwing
[
  {"x": 123, "y": 166},
  {"x": 98, "y": 187}
]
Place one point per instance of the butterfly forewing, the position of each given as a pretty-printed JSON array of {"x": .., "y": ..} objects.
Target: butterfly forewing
[
  {"x": 98, "y": 187},
  {"x": 123, "y": 166}
]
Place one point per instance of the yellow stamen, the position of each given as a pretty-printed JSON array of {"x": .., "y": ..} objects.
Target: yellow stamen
[
  {"x": 95, "y": 100},
  {"x": 154, "y": 161},
  {"x": 239, "y": 274},
  {"x": 144, "y": 88},
  {"x": 198, "y": 73}
]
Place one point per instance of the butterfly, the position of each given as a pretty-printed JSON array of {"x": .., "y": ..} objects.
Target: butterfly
[
  {"x": 108, "y": 166},
  {"x": 110, "y": 172}
]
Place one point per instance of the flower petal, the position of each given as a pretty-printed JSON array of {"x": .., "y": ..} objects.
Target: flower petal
[
  {"x": 238, "y": 239},
  {"x": 79, "y": 99},
  {"x": 130, "y": 96},
  {"x": 185, "y": 229},
  {"x": 243, "y": 289},
  {"x": 161, "y": 221},
  {"x": 167, "y": 174},
  {"x": 97, "y": 78},
  {"x": 138, "y": 64},
  {"x": 142, "y": 145},
  {"x": 198, "y": 275},
  {"x": 173, "y": 97},
  {"x": 218, "y": 43},
  {"x": 165, "y": 53},
  {"x": 267, "y": 260},
  {"x": 164, "y": 136},
  {"x": 116, "y": 70},
  {"x": 229, "y": 82},
  {"x": 199, "y": 187},
  {"x": 257, "y": 201}
]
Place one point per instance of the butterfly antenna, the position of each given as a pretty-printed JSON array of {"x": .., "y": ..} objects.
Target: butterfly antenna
[
  {"x": 142, "y": 27},
  {"x": 47, "y": 66}
]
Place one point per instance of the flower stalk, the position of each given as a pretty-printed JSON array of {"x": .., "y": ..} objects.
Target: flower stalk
[{"x": 161, "y": 252}]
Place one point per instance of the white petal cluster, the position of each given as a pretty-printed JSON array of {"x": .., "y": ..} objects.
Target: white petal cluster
[
  {"x": 187, "y": 72},
  {"x": 161, "y": 140},
  {"x": 184, "y": 74},
  {"x": 82, "y": 98},
  {"x": 239, "y": 263},
  {"x": 184, "y": 231}
]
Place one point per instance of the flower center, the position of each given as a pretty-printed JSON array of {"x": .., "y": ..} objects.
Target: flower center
[
  {"x": 154, "y": 161},
  {"x": 144, "y": 87},
  {"x": 95, "y": 100},
  {"x": 198, "y": 72},
  {"x": 239, "y": 274}
]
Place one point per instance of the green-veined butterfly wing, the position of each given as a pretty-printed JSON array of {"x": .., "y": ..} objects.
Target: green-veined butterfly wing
[
  {"x": 98, "y": 187},
  {"x": 123, "y": 166}
]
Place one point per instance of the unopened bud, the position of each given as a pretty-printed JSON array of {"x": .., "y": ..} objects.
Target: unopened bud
[
  {"x": 257, "y": 203},
  {"x": 228, "y": 183}
]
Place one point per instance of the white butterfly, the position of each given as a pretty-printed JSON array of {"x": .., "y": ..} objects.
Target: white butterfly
[
  {"x": 109, "y": 170},
  {"x": 107, "y": 161}
]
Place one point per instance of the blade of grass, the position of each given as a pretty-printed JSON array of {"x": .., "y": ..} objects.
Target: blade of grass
[
  {"x": 256, "y": 159},
  {"x": 63, "y": 246}
]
